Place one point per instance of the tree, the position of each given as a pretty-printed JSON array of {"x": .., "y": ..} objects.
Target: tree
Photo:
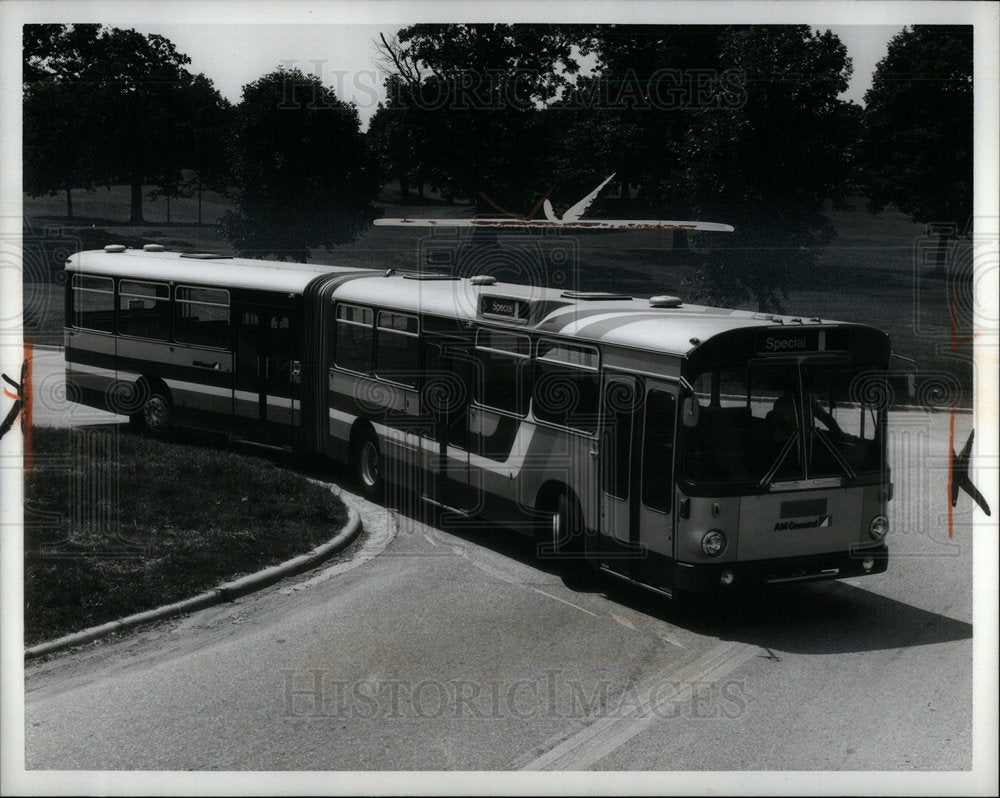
[
  {"x": 59, "y": 147},
  {"x": 631, "y": 116},
  {"x": 917, "y": 145},
  {"x": 471, "y": 98},
  {"x": 113, "y": 100},
  {"x": 301, "y": 170},
  {"x": 770, "y": 163},
  {"x": 394, "y": 140}
]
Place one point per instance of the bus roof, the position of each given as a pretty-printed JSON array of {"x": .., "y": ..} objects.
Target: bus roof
[
  {"x": 207, "y": 269},
  {"x": 675, "y": 327},
  {"x": 629, "y": 322}
]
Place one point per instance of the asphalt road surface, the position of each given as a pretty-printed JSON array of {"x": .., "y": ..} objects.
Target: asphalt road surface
[{"x": 450, "y": 647}]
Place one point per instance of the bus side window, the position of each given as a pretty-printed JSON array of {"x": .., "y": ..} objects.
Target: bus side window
[
  {"x": 504, "y": 378},
  {"x": 354, "y": 338},
  {"x": 94, "y": 303},
  {"x": 620, "y": 406},
  {"x": 567, "y": 387},
  {"x": 658, "y": 450},
  {"x": 397, "y": 348},
  {"x": 144, "y": 309},
  {"x": 201, "y": 316}
]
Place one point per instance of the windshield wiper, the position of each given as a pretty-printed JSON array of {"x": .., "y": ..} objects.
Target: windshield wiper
[
  {"x": 851, "y": 473},
  {"x": 768, "y": 478}
]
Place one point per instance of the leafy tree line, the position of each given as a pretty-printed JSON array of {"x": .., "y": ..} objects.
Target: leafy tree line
[
  {"x": 107, "y": 106},
  {"x": 741, "y": 124}
]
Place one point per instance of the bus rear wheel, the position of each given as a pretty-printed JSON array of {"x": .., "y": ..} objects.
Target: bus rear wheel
[
  {"x": 156, "y": 414},
  {"x": 567, "y": 542},
  {"x": 367, "y": 467},
  {"x": 567, "y": 530}
]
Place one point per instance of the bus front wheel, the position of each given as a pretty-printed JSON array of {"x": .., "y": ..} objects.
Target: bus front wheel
[{"x": 367, "y": 466}]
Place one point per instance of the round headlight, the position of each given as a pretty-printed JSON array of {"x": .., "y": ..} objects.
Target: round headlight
[
  {"x": 714, "y": 543},
  {"x": 878, "y": 527}
]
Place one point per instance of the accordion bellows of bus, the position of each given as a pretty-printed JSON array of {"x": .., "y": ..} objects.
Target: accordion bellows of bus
[{"x": 677, "y": 446}]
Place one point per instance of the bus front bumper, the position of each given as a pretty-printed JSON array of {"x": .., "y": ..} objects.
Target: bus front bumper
[{"x": 704, "y": 578}]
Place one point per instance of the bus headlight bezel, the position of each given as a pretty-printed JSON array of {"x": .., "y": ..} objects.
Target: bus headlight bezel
[
  {"x": 713, "y": 543},
  {"x": 878, "y": 528}
]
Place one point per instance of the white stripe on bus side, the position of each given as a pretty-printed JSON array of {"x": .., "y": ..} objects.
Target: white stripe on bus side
[
  {"x": 91, "y": 378},
  {"x": 96, "y": 370},
  {"x": 196, "y": 396},
  {"x": 197, "y": 387}
]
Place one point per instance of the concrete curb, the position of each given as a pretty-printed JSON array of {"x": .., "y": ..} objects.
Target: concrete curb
[{"x": 224, "y": 592}]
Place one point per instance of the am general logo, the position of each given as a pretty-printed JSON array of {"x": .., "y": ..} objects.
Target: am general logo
[{"x": 818, "y": 522}]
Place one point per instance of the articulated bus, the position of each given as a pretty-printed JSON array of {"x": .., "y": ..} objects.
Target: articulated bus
[{"x": 676, "y": 446}]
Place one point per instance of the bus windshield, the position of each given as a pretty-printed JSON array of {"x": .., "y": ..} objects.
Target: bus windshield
[{"x": 768, "y": 423}]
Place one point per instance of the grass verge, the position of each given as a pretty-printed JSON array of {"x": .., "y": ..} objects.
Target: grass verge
[{"x": 116, "y": 523}]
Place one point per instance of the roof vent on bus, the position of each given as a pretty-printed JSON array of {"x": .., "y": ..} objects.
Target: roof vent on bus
[
  {"x": 115, "y": 248},
  {"x": 665, "y": 302},
  {"x": 592, "y": 296},
  {"x": 483, "y": 279},
  {"x": 429, "y": 276},
  {"x": 153, "y": 248},
  {"x": 205, "y": 255}
]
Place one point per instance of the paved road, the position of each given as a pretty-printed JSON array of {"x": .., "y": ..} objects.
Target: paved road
[{"x": 455, "y": 648}]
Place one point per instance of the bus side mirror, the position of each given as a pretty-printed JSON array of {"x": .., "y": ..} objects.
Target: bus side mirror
[{"x": 689, "y": 411}]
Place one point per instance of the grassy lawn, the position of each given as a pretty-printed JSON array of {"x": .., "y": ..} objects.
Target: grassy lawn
[
  {"x": 117, "y": 523},
  {"x": 869, "y": 273}
]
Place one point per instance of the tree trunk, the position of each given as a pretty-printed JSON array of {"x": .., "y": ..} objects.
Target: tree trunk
[
  {"x": 69, "y": 202},
  {"x": 420, "y": 189},
  {"x": 136, "y": 212},
  {"x": 404, "y": 186},
  {"x": 168, "y": 209},
  {"x": 199, "y": 199}
]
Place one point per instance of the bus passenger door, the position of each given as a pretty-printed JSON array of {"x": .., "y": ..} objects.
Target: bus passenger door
[
  {"x": 267, "y": 376},
  {"x": 654, "y": 485},
  {"x": 448, "y": 368},
  {"x": 621, "y": 420}
]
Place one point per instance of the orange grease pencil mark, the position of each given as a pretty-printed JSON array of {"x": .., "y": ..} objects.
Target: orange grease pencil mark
[{"x": 26, "y": 408}]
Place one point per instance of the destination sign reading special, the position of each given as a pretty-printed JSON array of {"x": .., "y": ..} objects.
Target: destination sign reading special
[
  {"x": 504, "y": 308},
  {"x": 795, "y": 340}
]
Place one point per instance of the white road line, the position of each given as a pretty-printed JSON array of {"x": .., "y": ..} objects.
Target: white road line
[
  {"x": 430, "y": 540},
  {"x": 497, "y": 573},
  {"x": 666, "y": 637},
  {"x": 570, "y": 603},
  {"x": 625, "y": 622},
  {"x": 600, "y": 738}
]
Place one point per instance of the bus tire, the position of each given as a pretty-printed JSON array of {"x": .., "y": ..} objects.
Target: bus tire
[
  {"x": 567, "y": 527},
  {"x": 366, "y": 465},
  {"x": 157, "y": 411}
]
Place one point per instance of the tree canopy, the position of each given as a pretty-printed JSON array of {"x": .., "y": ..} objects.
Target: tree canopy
[
  {"x": 106, "y": 105},
  {"x": 917, "y": 143},
  {"x": 302, "y": 177},
  {"x": 469, "y": 101},
  {"x": 769, "y": 164}
]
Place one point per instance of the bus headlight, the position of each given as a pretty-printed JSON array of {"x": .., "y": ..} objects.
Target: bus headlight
[
  {"x": 714, "y": 542},
  {"x": 878, "y": 528}
]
